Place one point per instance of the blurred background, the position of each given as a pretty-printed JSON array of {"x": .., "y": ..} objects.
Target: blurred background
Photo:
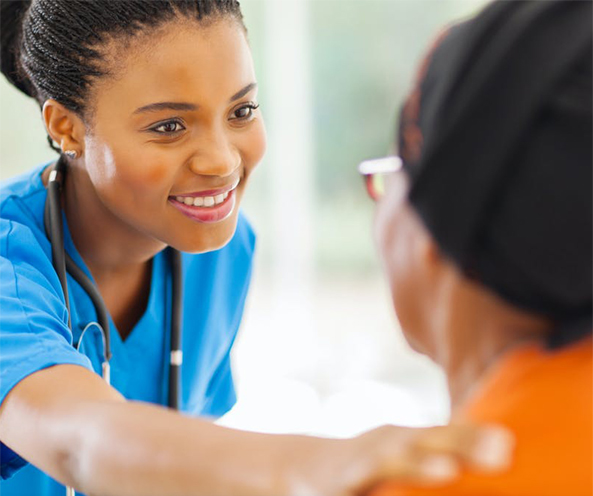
[{"x": 319, "y": 350}]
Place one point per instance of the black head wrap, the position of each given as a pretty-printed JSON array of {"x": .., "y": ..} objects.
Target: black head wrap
[{"x": 497, "y": 141}]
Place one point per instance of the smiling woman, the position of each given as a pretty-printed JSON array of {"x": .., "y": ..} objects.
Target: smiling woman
[
  {"x": 162, "y": 130},
  {"x": 152, "y": 108}
]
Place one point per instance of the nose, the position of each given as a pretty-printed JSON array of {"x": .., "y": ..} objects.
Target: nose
[{"x": 215, "y": 155}]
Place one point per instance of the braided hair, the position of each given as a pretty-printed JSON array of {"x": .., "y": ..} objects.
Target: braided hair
[{"x": 55, "y": 48}]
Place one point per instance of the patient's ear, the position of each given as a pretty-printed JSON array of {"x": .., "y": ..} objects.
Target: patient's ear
[{"x": 64, "y": 126}]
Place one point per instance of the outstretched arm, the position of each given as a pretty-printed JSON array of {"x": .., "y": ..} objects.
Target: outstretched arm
[{"x": 71, "y": 424}]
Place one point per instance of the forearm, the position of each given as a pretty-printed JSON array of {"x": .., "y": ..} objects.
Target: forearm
[
  {"x": 68, "y": 422},
  {"x": 131, "y": 449}
]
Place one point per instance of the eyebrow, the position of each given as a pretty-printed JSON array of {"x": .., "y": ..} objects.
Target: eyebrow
[
  {"x": 183, "y": 106},
  {"x": 243, "y": 92},
  {"x": 155, "y": 107}
]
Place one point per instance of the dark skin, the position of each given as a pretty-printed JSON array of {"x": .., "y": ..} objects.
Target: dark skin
[
  {"x": 460, "y": 324},
  {"x": 119, "y": 203},
  {"x": 126, "y": 296},
  {"x": 125, "y": 292},
  {"x": 117, "y": 192}
]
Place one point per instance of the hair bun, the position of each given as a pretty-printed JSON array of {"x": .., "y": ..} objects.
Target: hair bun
[{"x": 12, "y": 13}]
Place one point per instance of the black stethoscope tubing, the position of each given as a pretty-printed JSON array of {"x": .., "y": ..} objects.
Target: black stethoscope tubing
[{"x": 63, "y": 263}]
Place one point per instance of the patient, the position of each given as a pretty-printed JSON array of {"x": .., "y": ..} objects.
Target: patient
[{"x": 486, "y": 236}]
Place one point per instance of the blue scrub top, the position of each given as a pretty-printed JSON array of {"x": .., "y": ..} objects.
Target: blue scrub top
[{"x": 34, "y": 331}]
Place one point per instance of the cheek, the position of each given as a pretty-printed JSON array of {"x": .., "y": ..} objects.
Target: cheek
[
  {"x": 393, "y": 250},
  {"x": 101, "y": 163},
  {"x": 400, "y": 262},
  {"x": 117, "y": 171},
  {"x": 390, "y": 239}
]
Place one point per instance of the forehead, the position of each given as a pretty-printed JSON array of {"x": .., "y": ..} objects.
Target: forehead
[{"x": 182, "y": 60}]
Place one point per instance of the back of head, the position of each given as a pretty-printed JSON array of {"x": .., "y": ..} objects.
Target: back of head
[{"x": 497, "y": 140}]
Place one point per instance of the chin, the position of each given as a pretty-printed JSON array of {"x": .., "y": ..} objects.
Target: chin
[
  {"x": 207, "y": 240},
  {"x": 421, "y": 343},
  {"x": 411, "y": 327},
  {"x": 415, "y": 344}
]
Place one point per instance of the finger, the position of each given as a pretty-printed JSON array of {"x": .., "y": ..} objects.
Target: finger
[
  {"x": 432, "y": 456},
  {"x": 486, "y": 447},
  {"x": 431, "y": 471},
  {"x": 392, "y": 454}
]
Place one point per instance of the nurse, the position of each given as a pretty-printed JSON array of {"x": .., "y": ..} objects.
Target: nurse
[{"x": 153, "y": 109}]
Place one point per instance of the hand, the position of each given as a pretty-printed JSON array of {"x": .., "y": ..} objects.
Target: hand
[{"x": 351, "y": 467}]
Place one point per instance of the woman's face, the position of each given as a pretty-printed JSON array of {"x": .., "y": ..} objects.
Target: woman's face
[{"x": 176, "y": 134}]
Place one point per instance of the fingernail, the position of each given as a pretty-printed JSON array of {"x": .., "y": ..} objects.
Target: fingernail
[
  {"x": 495, "y": 448},
  {"x": 439, "y": 467}
]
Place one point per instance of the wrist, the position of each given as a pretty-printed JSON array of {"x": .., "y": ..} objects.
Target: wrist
[{"x": 314, "y": 465}]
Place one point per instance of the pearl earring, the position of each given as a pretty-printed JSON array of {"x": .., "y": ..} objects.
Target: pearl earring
[{"x": 71, "y": 153}]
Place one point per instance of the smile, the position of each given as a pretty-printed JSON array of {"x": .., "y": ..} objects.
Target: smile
[
  {"x": 203, "y": 201},
  {"x": 207, "y": 206}
]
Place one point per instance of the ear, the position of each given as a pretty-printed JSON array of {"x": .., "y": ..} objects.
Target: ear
[{"x": 64, "y": 126}]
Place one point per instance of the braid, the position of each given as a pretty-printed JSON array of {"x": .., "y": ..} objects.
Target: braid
[
  {"x": 10, "y": 38},
  {"x": 55, "y": 48}
]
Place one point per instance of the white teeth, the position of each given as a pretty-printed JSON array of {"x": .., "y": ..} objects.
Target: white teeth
[{"x": 203, "y": 201}]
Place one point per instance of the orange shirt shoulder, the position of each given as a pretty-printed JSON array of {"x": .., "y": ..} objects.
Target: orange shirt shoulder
[{"x": 546, "y": 399}]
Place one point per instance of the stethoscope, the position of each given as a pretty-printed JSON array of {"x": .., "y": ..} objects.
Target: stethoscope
[{"x": 62, "y": 263}]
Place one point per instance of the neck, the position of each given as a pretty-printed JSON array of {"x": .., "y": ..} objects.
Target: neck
[
  {"x": 118, "y": 256},
  {"x": 108, "y": 245},
  {"x": 475, "y": 330}
]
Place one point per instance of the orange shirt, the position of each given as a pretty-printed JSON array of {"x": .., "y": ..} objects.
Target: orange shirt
[{"x": 546, "y": 399}]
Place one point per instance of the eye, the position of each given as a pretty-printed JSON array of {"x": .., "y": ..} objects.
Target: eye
[
  {"x": 168, "y": 127},
  {"x": 244, "y": 112}
]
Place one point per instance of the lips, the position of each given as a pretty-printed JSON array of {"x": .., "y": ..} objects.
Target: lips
[{"x": 206, "y": 206}]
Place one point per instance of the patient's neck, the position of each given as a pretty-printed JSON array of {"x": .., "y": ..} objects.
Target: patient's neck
[{"x": 477, "y": 327}]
